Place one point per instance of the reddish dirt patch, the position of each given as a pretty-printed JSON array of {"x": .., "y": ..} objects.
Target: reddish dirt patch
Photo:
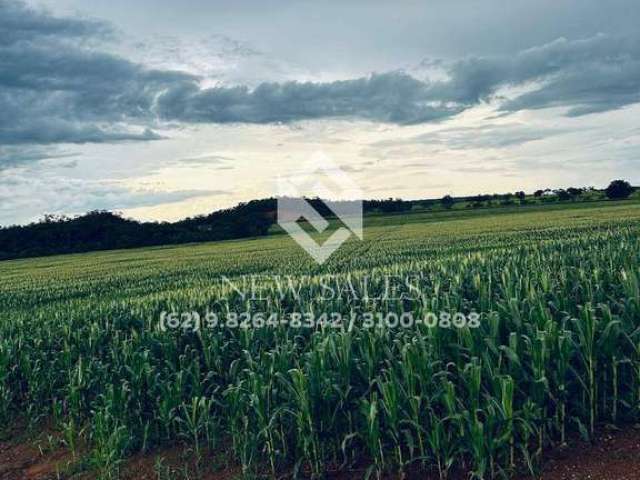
[
  {"x": 175, "y": 462},
  {"x": 615, "y": 455},
  {"x": 35, "y": 459}
]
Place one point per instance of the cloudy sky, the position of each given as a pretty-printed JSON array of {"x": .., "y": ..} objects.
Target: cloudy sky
[{"x": 164, "y": 109}]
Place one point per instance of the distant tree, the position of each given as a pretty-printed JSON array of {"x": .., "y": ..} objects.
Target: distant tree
[
  {"x": 447, "y": 201},
  {"x": 563, "y": 195},
  {"x": 618, "y": 189},
  {"x": 538, "y": 193},
  {"x": 520, "y": 196},
  {"x": 575, "y": 192}
]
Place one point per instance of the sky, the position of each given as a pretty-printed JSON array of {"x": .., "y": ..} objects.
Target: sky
[{"x": 162, "y": 109}]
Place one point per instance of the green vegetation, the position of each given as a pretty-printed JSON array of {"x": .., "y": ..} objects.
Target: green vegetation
[
  {"x": 556, "y": 353},
  {"x": 619, "y": 189},
  {"x": 104, "y": 230}
]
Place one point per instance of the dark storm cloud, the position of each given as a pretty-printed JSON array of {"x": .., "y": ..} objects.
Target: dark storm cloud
[
  {"x": 54, "y": 88},
  {"x": 590, "y": 75},
  {"x": 390, "y": 97},
  {"x": 594, "y": 74},
  {"x": 19, "y": 22}
]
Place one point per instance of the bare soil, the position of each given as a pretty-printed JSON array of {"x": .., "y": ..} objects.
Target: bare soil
[
  {"x": 614, "y": 455},
  {"x": 24, "y": 456}
]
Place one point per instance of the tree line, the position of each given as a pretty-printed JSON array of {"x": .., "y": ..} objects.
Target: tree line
[
  {"x": 617, "y": 190},
  {"x": 105, "y": 230}
]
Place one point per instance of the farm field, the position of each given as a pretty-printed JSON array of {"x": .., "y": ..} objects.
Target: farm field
[{"x": 467, "y": 344}]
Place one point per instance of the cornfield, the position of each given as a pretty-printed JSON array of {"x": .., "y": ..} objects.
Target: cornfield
[{"x": 556, "y": 353}]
